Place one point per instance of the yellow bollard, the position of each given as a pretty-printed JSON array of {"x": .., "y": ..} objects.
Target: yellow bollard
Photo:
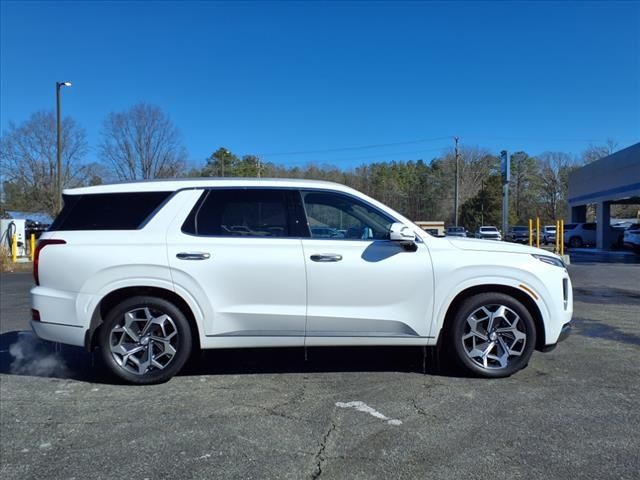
[
  {"x": 557, "y": 249},
  {"x": 32, "y": 246},
  {"x": 537, "y": 232},
  {"x": 14, "y": 248},
  {"x": 531, "y": 232},
  {"x": 561, "y": 238}
]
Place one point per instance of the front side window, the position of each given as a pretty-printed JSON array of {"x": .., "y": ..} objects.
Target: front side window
[
  {"x": 241, "y": 213},
  {"x": 336, "y": 216}
]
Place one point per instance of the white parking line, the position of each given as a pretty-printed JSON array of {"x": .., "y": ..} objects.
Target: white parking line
[{"x": 363, "y": 407}]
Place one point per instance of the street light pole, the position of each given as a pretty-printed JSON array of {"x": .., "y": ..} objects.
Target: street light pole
[
  {"x": 59, "y": 85},
  {"x": 455, "y": 194}
]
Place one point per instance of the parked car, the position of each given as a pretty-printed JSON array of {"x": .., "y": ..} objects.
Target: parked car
[
  {"x": 631, "y": 237},
  {"x": 518, "y": 234},
  {"x": 577, "y": 235},
  {"x": 456, "y": 232},
  {"x": 148, "y": 272},
  {"x": 488, "y": 233},
  {"x": 548, "y": 234}
]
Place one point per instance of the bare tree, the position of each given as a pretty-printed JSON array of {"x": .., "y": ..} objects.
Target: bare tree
[
  {"x": 28, "y": 166},
  {"x": 554, "y": 183},
  {"x": 596, "y": 152},
  {"x": 142, "y": 143},
  {"x": 475, "y": 165}
]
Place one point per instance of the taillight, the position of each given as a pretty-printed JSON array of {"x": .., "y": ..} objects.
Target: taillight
[{"x": 36, "y": 257}]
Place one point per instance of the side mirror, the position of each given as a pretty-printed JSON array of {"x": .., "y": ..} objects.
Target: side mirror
[{"x": 399, "y": 232}]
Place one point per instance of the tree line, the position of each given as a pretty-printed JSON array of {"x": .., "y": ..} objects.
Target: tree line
[{"x": 143, "y": 143}]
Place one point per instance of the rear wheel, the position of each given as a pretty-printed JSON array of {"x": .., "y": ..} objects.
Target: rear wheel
[
  {"x": 575, "y": 242},
  {"x": 145, "y": 340},
  {"x": 493, "y": 335}
]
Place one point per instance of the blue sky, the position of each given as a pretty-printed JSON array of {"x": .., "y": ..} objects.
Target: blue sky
[{"x": 273, "y": 78}]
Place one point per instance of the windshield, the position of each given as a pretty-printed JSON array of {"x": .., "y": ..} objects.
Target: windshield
[
  {"x": 520, "y": 229},
  {"x": 488, "y": 229}
]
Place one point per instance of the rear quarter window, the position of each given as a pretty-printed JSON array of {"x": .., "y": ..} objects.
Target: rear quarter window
[{"x": 108, "y": 211}]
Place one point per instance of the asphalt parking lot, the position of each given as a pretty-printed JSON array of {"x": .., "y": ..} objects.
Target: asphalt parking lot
[{"x": 573, "y": 413}]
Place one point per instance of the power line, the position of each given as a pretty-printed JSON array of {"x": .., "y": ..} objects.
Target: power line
[
  {"x": 372, "y": 157},
  {"x": 531, "y": 139},
  {"x": 360, "y": 147},
  {"x": 426, "y": 140}
]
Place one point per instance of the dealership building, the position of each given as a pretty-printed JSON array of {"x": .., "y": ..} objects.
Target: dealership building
[{"x": 612, "y": 180}]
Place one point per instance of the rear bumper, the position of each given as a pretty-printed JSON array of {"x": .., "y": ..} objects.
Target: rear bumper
[
  {"x": 55, "y": 332},
  {"x": 59, "y": 316}
]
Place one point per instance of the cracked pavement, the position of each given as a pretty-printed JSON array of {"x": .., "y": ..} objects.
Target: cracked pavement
[{"x": 573, "y": 413}]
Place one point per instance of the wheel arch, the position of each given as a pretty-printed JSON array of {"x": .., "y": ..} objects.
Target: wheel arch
[
  {"x": 114, "y": 297},
  {"x": 520, "y": 295}
]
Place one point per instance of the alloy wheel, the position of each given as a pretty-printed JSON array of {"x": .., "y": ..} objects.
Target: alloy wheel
[
  {"x": 493, "y": 335},
  {"x": 144, "y": 340}
]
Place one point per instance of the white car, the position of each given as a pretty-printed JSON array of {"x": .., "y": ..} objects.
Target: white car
[
  {"x": 548, "y": 234},
  {"x": 150, "y": 271},
  {"x": 489, "y": 233},
  {"x": 632, "y": 237}
]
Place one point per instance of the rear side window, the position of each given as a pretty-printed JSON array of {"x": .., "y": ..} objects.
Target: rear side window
[
  {"x": 108, "y": 211},
  {"x": 244, "y": 213},
  {"x": 589, "y": 226}
]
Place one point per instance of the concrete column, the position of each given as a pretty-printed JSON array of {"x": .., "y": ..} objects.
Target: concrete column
[
  {"x": 603, "y": 219},
  {"x": 579, "y": 214}
]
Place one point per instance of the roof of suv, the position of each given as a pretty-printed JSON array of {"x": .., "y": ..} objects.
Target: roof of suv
[{"x": 173, "y": 184}]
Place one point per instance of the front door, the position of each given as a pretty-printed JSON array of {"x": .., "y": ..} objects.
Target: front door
[{"x": 359, "y": 283}]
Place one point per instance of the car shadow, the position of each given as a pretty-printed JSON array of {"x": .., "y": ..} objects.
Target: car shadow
[{"x": 23, "y": 354}]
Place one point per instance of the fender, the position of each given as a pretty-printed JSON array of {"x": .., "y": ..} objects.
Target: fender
[
  {"x": 88, "y": 305},
  {"x": 531, "y": 282}
]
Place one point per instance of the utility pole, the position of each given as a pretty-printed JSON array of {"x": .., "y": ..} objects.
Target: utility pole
[
  {"x": 59, "y": 85},
  {"x": 506, "y": 177},
  {"x": 482, "y": 204},
  {"x": 259, "y": 164},
  {"x": 455, "y": 198},
  {"x": 223, "y": 160}
]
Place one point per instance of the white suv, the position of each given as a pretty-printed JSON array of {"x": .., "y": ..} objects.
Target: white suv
[{"x": 150, "y": 271}]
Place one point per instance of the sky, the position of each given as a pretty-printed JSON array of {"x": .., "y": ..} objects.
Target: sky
[{"x": 342, "y": 83}]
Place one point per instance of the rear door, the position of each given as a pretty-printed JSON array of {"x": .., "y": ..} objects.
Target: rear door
[
  {"x": 361, "y": 284},
  {"x": 239, "y": 251}
]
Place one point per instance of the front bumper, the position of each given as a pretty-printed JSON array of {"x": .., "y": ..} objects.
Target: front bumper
[{"x": 565, "y": 331}]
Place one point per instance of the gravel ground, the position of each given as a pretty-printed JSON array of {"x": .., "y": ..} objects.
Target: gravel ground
[{"x": 573, "y": 413}]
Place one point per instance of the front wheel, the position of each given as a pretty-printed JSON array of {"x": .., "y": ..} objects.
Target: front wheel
[
  {"x": 145, "y": 340},
  {"x": 493, "y": 335}
]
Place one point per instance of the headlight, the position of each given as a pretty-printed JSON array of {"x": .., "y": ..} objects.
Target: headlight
[{"x": 550, "y": 260}]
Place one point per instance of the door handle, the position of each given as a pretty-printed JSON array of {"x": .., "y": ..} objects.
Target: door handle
[
  {"x": 326, "y": 257},
  {"x": 193, "y": 255}
]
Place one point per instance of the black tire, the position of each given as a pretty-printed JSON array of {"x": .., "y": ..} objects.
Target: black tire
[
  {"x": 575, "y": 242},
  {"x": 156, "y": 318},
  {"x": 501, "y": 366}
]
